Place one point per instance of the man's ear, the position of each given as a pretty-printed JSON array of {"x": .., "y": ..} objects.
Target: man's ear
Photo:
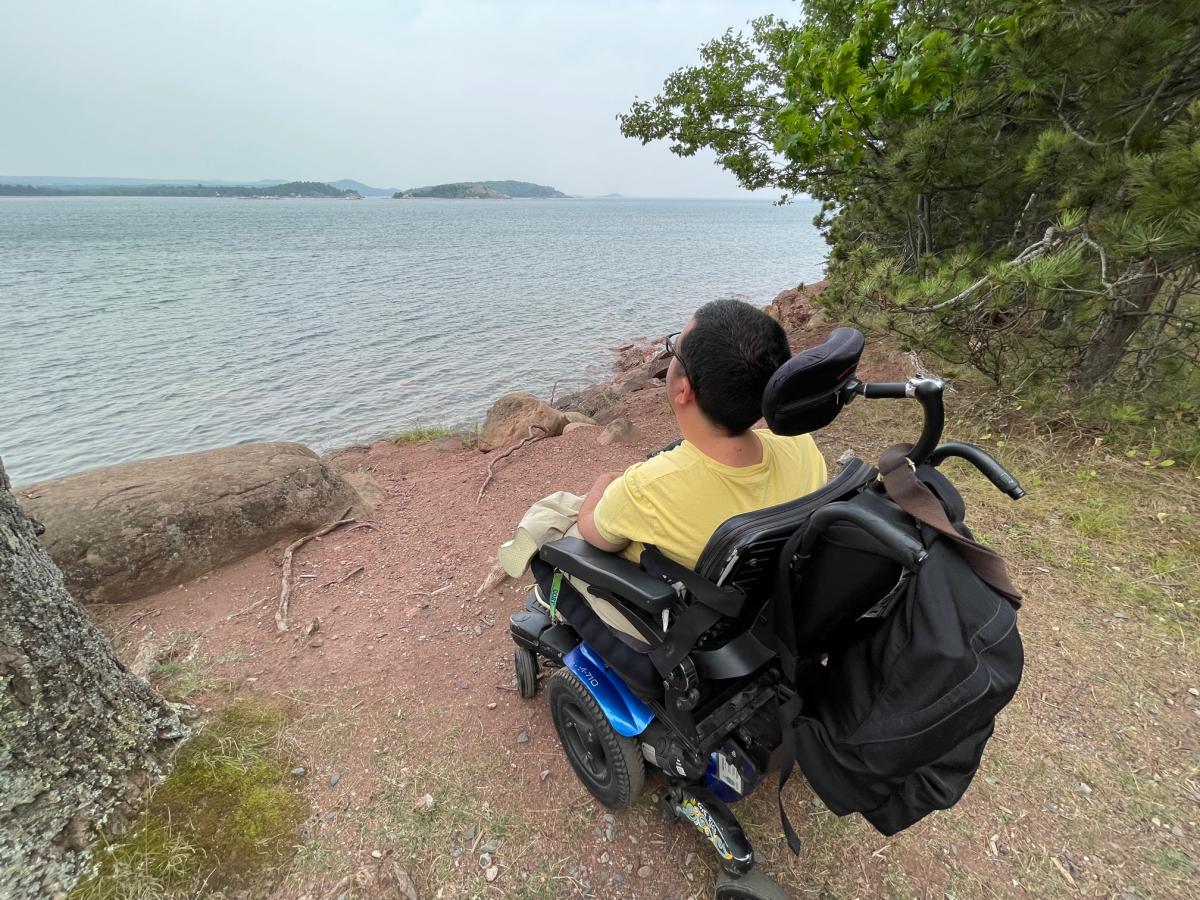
[{"x": 681, "y": 393}]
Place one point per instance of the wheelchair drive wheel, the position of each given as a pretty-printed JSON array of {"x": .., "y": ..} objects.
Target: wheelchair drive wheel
[
  {"x": 610, "y": 766},
  {"x": 527, "y": 669},
  {"x": 754, "y": 885}
]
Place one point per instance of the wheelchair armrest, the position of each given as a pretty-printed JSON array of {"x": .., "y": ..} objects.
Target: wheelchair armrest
[{"x": 608, "y": 575}]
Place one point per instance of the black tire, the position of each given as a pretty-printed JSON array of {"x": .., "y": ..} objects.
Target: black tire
[
  {"x": 610, "y": 766},
  {"x": 527, "y": 671},
  {"x": 754, "y": 885}
]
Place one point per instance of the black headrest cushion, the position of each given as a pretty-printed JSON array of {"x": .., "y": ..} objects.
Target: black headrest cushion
[{"x": 804, "y": 394}]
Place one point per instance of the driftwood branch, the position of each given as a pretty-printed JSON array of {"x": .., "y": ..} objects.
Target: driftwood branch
[
  {"x": 511, "y": 450},
  {"x": 285, "y": 591}
]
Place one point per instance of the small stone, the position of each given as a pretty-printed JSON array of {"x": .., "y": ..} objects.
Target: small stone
[
  {"x": 609, "y": 817},
  {"x": 610, "y": 833},
  {"x": 490, "y": 847},
  {"x": 316, "y": 642},
  {"x": 464, "y": 685},
  {"x": 299, "y": 772},
  {"x": 470, "y": 835},
  {"x": 492, "y": 873},
  {"x": 344, "y": 895},
  {"x": 485, "y": 860},
  {"x": 330, "y": 816},
  {"x": 456, "y": 852},
  {"x": 313, "y": 627},
  {"x": 491, "y": 705},
  {"x": 1120, "y": 615},
  {"x": 645, "y": 872},
  {"x": 523, "y": 737},
  {"x": 1083, "y": 789},
  {"x": 544, "y": 775},
  {"x": 604, "y": 857},
  {"x": 992, "y": 781},
  {"x": 334, "y": 778},
  {"x": 376, "y": 854},
  {"x": 1176, "y": 831},
  {"x": 689, "y": 859},
  {"x": 478, "y": 631},
  {"x": 1195, "y": 692}
]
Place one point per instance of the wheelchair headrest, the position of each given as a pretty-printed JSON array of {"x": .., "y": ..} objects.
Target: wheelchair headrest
[{"x": 805, "y": 393}]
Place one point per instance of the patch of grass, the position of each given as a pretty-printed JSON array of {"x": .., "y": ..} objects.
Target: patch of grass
[
  {"x": 224, "y": 821},
  {"x": 178, "y": 680},
  {"x": 1173, "y": 862},
  {"x": 898, "y": 885},
  {"x": 1099, "y": 517},
  {"x": 421, "y": 434}
]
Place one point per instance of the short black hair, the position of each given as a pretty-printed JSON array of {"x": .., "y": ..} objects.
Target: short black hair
[{"x": 729, "y": 356}]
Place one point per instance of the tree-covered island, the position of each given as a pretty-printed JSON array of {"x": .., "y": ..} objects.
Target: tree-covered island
[{"x": 481, "y": 190}]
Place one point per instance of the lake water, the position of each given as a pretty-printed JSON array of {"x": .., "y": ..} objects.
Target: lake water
[{"x": 135, "y": 327}]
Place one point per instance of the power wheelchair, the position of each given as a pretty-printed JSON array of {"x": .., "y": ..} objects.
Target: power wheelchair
[{"x": 700, "y": 700}]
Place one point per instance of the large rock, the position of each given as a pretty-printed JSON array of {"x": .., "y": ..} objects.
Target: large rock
[
  {"x": 125, "y": 531},
  {"x": 618, "y": 431},
  {"x": 794, "y": 307},
  {"x": 510, "y": 418}
]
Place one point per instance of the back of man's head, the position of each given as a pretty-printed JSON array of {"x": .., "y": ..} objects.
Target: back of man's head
[{"x": 730, "y": 354}]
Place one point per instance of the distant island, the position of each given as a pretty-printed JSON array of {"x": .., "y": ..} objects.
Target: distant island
[
  {"x": 249, "y": 192},
  {"x": 480, "y": 190}
]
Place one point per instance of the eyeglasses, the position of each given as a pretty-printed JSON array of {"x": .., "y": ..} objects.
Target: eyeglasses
[{"x": 673, "y": 348}]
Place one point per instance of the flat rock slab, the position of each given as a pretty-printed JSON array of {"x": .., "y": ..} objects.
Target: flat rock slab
[{"x": 122, "y": 532}]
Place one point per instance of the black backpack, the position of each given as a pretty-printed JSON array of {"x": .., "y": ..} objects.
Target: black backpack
[{"x": 893, "y": 706}]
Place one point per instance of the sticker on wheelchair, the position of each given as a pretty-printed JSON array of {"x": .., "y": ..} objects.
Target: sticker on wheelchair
[
  {"x": 698, "y": 816},
  {"x": 728, "y": 772}
]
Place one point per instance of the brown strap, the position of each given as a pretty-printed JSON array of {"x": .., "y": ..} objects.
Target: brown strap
[{"x": 915, "y": 498}]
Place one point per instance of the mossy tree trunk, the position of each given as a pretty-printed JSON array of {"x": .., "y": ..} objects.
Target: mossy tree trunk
[{"x": 81, "y": 737}]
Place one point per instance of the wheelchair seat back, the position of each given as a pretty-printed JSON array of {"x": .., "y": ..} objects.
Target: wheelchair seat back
[{"x": 744, "y": 551}]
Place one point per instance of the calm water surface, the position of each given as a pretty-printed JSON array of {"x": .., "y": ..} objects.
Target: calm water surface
[{"x": 134, "y": 327}]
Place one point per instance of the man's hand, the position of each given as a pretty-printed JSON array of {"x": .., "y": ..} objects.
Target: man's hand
[{"x": 587, "y": 522}]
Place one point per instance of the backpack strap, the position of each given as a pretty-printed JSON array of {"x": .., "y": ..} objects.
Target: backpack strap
[
  {"x": 712, "y": 603},
  {"x": 781, "y": 638},
  {"x": 915, "y": 498}
]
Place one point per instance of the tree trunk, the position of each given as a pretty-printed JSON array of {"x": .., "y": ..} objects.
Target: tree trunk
[
  {"x": 1120, "y": 321},
  {"x": 81, "y": 738}
]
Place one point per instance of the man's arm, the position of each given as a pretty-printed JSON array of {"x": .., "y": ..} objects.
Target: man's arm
[{"x": 587, "y": 521}]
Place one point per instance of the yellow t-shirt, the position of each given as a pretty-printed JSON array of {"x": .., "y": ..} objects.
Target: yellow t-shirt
[{"x": 677, "y": 499}]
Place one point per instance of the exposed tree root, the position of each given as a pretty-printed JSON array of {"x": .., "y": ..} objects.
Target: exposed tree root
[
  {"x": 511, "y": 450},
  {"x": 285, "y": 591}
]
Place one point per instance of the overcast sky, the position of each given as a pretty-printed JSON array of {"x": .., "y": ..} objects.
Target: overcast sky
[{"x": 392, "y": 93}]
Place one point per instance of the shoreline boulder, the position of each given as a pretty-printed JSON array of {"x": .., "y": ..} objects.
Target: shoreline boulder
[
  {"x": 795, "y": 308},
  {"x": 510, "y": 418},
  {"x": 126, "y": 531}
]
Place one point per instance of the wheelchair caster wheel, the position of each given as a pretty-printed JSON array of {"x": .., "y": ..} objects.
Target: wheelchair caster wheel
[
  {"x": 754, "y": 885},
  {"x": 527, "y": 669}
]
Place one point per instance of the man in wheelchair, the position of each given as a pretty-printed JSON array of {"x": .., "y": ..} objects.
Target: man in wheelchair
[
  {"x": 721, "y": 363},
  {"x": 744, "y": 587}
]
